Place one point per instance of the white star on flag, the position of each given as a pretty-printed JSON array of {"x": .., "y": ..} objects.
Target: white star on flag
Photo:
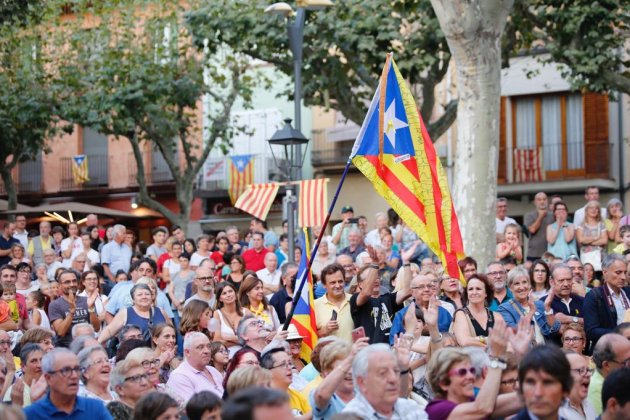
[
  {"x": 240, "y": 164},
  {"x": 392, "y": 123}
]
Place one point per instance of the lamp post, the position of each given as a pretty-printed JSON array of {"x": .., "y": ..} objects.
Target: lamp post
[
  {"x": 295, "y": 29},
  {"x": 291, "y": 141}
]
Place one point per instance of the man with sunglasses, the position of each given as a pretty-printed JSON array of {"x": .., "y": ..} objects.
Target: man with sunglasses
[
  {"x": 611, "y": 352},
  {"x": 194, "y": 375},
  {"x": 62, "y": 372}
]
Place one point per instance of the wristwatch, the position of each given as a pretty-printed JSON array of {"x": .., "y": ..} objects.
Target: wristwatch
[
  {"x": 496, "y": 363},
  {"x": 575, "y": 319},
  {"x": 549, "y": 312}
]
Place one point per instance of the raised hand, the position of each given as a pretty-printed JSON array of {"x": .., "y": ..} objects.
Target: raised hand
[
  {"x": 359, "y": 344},
  {"x": 17, "y": 392},
  {"x": 92, "y": 298},
  {"x": 431, "y": 313},
  {"x": 549, "y": 299},
  {"x": 405, "y": 255},
  {"x": 497, "y": 339},
  {"x": 39, "y": 388},
  {"x": 522, "y": 338},
  {"x": 372, "y": 253},
  {"x": 402, "y": 348}
]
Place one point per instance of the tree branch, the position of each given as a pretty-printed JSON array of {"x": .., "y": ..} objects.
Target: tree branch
[{"x": 439, "y": 127}]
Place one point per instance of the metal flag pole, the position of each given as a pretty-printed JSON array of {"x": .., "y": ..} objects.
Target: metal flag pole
[{"x": 298, "y": 292}]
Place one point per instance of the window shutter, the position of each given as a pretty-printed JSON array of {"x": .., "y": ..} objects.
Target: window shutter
[
  {"x": 502, "y": 170},
  {"x": 596, "y": 148}
]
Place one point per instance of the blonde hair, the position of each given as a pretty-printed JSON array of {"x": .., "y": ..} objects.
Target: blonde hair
[
  {"x": 337, "y": 350},
  {"x": 139, "y": 354},
  {"x": 594, "y": 203},
  {"x": 440, "y": 364},
  {"x": 246, "y": 377}
]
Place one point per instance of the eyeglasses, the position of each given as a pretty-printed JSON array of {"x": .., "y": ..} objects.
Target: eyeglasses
[
  {"x": 80, "y": 261},
  {"x": 572, "y": 339},
  {"x": 98, "y": 362},
  {"x": 258, "y": 323},
  {"x": 251, "y": 362},
  {"x": 286, "y": 364},
  {"x": 5, "y": 342},
  {"x": 24, "y": 270},
  {"x": 66, "y": 371},
  {"x": 461, "y": 372},
  {"x": 509, "y": 382},
  {"x": 70, "y": 282},
  {"x": 625, "y": 363},
  {"x": 224, "y": 351},
  {"x": 426, "y": 286},
  {"x": 496, "y": 273},
  {"x": 583, "y": 371},
  {"x": 91, "y": 279},
  {"x": 150, "y": 363},
  {"x": 136, "y": 379},
  {"x": 205, "y": 278}
]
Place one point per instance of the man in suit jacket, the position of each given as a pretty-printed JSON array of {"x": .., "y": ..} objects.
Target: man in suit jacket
[
  {"x": 544, "y": 378},
  {"x": 605, "y": 306}
]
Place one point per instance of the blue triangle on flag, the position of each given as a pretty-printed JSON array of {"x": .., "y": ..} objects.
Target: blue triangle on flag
[
  {"x": 240, "y": 162},
  {"x": 79, "y": 159}
]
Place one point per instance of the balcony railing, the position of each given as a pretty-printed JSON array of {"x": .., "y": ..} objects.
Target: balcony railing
[
  {"x": 335, "y": 156},
  {"x": 30, "y": 177},
  {"x": 156, "y": 171},
  {"x": 98, "y": 172},
  {"x": 265, "y": 170}
]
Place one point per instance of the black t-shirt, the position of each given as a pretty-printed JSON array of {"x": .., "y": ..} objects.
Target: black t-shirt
[{"x": 366, "y": 316}]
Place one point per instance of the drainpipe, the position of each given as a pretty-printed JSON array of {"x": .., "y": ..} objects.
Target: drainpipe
[{"x": 622, "y": 185}]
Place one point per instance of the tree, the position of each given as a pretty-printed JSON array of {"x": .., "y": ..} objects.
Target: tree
[
  {"x": 473, "y": 30},
  {"x": 344, "y": 49},
  {"x": 131, "y": 71},
  {"x": 27, "y": 109},
  {"x": 589, "y": 37}
]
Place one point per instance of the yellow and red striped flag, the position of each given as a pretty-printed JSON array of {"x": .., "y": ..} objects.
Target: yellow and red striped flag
[
  {"x": 257, "y": 199},
  {"x": 304, "y": 314},
  {"x": 393, "y": 150},
  {"x": 313, "y": 202},
  {"x": 241, "y": 175}
]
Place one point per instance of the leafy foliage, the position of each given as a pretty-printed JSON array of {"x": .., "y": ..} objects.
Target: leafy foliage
[
  {"x": 130, "y": 70},
  {"x": 344, "y": 48}
]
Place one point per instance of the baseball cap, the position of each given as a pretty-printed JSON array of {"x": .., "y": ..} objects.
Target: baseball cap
[{"x": 346, "y": 209}]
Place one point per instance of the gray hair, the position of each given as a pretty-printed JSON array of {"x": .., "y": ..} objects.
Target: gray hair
[
  {"x": 190, "y": 337},
  {"x": 119, "y": 228},
  {"x": 84, "y": 358},
  {"x": 559, "y": 266},
  {"x": 119, "y": 373},
  {"x": 285, "y": 268},
  {"x": 610, "y": 259},
  {"x": 79, "y": 343},
  {"x": 48, "y": 361},
  {"x": 361, "y": 360},
  {"x": 82, "y": 325},
  {"x": 242, "y": 326},
  {"x": 139, "y": 286},
  {"x": 517, "y": 273},
  {"x": 355, "y": 230},
  {"x": 490, "y": 264},
  {"x": 479, "y": 359},
  {"x": 125, "y": 329}
]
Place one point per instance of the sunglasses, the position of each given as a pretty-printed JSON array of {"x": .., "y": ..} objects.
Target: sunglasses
[{"x": 461, "y": 372}]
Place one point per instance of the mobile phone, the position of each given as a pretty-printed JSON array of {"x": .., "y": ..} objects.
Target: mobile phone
[
  {"x": 354, "y": 220},
  {"x": 334, "y": 315},
  {"x": 358, "y": 333}
]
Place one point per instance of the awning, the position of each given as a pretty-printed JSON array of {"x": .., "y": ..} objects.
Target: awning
[
  {"x": 21, "y": 208},
  {"x": 85, "y": 209}
]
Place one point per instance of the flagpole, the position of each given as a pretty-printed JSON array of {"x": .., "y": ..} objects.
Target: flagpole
[{"x": 298, "y": 292}]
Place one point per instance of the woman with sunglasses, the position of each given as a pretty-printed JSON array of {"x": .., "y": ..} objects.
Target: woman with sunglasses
[
  {"x": 452, "y": 378},
  {"x": 95, "y": 371},
  {"x": 577, "y": 406},
  {"x": 130, "y": 382}
]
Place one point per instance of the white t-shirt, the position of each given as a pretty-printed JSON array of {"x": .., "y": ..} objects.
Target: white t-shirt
[
  {"x": 501, "y": 224},
  {"x": 77, "y": 248},
  {"x": 266, "y": 277},
  {"x": 196, "y": 258},
  {"x": 93, "y": 257},
  {"x": 50, "y": 270},
  {"x": 578, "y": 217},
  {"x": 173, "y": 267}
]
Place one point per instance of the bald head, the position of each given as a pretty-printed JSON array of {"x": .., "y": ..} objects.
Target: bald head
[{"x": 611, "y": 352}]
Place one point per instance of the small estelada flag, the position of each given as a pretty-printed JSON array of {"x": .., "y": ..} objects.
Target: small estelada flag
[{"x": 80, "y": 169}]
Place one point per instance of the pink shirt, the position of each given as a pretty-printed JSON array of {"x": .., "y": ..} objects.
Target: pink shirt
[{"x": 186, "y": 381}]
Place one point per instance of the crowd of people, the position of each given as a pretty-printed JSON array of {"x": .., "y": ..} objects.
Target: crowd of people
[{"x": 96, "y": 323}]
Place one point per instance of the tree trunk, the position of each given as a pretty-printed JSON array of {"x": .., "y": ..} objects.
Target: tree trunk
[
  {"x": 473, "y": 29},
  {"x": 9, "y": 186}
]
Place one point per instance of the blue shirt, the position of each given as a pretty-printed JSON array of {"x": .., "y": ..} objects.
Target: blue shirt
[
  {"x": 335, "y": 405},
  {"x": 398, "y": 325},
  {"x": 494, "y": 306},
  {"x": 83, "y": 408},
  {"x": 120, "y": 297},
  {"x": 118, "y": 257}
]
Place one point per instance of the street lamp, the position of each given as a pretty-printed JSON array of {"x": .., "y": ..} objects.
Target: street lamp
[
  {"x": 295, "y": 29},
  {"x": 291, "y": 141}
]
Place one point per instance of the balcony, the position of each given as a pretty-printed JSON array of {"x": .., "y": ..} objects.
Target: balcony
[
  {"x": 215, "y": 175},
  {"x": 28, "y": 178},
  {"x": 98, "y": 173},
  {"x": 156, "y": 171}
]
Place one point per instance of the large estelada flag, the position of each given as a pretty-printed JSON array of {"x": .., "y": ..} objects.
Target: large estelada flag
[
  {"x": 80, "y": 169},
  {"x": 313, "y": 202},
  {"x": 241, "y": 175},
  {"x": 304, "y": 313},
  {"x": 394, "y": 151}
]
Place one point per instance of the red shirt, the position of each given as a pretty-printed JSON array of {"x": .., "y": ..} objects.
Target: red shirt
[{"x": 255, "y": 260}]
